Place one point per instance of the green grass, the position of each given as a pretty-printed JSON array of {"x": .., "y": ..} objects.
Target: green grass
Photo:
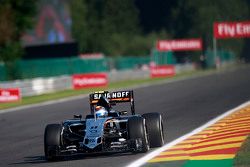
[
  {"x": 116, "y": 85},
  {"x": 70, "y": 92},
  {"x": 242, "y": 158}
]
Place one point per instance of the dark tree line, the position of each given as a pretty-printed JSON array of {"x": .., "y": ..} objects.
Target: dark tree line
[
  {"x": 112, "y": 27},
  {"x": 127, "y": 27},
  {"x": 16, "y": 16},
  {"x": 130, "y": 27}
]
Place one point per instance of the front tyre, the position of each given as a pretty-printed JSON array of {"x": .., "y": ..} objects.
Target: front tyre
[
  {"x": 137, "y": 131},
  {"x": 154, "y": 127},
  {"x": 52, "y": 141}
]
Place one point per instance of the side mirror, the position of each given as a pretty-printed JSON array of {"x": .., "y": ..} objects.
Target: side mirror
[
  {"x": 78, "y": 116},
  {"x": 123, "y": 112}
]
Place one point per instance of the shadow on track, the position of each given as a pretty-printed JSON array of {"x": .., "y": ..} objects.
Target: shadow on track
[
  {"x": 41, "y": 159},
  {"x": 31, "y": 160}
]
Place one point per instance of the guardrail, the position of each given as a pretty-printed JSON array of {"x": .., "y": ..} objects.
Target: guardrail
[{"x": 38, "y": 86}]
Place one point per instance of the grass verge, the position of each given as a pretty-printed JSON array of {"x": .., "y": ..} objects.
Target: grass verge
[
  {"x": 116, "y": 85},
  {"x": 69, "y": 93},
  {"x": 242, "y": 158}
]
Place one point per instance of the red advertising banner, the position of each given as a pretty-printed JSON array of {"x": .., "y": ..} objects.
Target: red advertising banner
[
  {"x": 179, "y": 45},
  {"x": 10, "y": 95},
  {"x": 162, "y": 71},
  {"x": 232, "y": 29},
  {"x": 80, "y": 81}
]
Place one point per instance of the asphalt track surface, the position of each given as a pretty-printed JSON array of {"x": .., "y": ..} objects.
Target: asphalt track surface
[{"x": 184, "y": 105}]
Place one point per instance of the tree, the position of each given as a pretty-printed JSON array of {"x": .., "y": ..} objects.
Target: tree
[
  {"x": 195, "y": 18},
  {"x": 155, "y": 16},
  {"x": 245, "y": 54},
  {"x": 79, "y": 26},
  {"x": 95, "y": 29},
  {"x": 86, "y": 24},
  {"x": 15, "y": 18},
  {"x": 104, "y": 26},
  {"x": 120, "y": 26},
  {"x": 120, "y": 17}
]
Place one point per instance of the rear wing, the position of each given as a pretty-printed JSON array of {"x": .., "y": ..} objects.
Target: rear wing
[{"x": 113, "y": 97}]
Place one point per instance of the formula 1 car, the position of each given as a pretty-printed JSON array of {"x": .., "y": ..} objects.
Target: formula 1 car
[{"x": 104, "y": 129}]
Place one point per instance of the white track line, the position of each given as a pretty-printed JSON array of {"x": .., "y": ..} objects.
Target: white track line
[
  {"x": 156, "y": 152},
  {"x": 86, "y": 95},
  {"x": 43, "y": 103}
]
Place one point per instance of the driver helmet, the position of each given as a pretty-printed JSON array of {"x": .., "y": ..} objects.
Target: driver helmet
[
  {"x": 104, "y": 102},
  {"x": 100, "y": 111}
]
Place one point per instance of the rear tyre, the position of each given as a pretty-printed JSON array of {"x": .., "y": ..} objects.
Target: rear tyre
[
  {"x": 52, "y": 141},
  {"x": 154, "y": 127},
  {"x": 137, "y": 131}
]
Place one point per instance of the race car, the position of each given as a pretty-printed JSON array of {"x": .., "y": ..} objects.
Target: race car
[{"x": 105, "y": 129}]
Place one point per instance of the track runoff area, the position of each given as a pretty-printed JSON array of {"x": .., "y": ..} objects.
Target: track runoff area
[{"x": 213, "y": 144}]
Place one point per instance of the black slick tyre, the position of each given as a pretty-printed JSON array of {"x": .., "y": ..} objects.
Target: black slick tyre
[
  {"x": 154, "y": 129},
  {"x": 137, "y": 130},
  {"x": 52, "y": 141}
]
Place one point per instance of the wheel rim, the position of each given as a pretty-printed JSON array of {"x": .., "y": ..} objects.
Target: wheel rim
[
  {"x": 146, "y": 135},
  {"x": 161, "y": 131}
]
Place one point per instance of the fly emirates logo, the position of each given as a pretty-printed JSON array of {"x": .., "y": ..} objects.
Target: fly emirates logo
[
  {"x": 225, "y": 30},
  {"x": 89, "y": 81},
  {"x": 7, "y": 96}
]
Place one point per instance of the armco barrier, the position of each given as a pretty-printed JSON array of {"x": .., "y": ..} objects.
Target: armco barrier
[
  {"x": 39, "y": 86},
  {"x": 115, "y": 76}
]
